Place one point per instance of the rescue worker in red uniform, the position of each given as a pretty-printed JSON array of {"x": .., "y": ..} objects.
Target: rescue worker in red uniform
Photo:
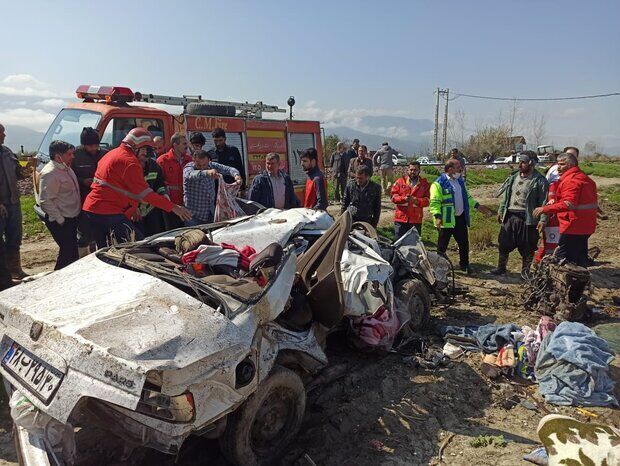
[
  {"x": 315, "y": 194},
  {"x": 118, "y": 187},
  {"x": 172, "y": 164},
  {"x": 551, "y": 228},
  {"x": 410, "y": 194},
  {"x": 576, "y": 206}
]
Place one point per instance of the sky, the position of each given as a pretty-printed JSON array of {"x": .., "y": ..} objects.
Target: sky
[{"x": 341, "y": 60}]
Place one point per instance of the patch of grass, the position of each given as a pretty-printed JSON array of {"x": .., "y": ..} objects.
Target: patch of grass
[
  {"x": 604, "y": 169},
  {"x": 609, "y": 197},
  {"x": 32, "y": 225},
  {"x": 498, "y": 441}
]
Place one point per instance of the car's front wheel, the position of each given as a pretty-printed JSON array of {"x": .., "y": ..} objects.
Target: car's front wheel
[
  {"x": 259, "y": 431},
  {"x": 413, "y": 299}
]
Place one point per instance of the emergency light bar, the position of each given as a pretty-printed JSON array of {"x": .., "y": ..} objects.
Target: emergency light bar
[{"x": 107, "y": 93}]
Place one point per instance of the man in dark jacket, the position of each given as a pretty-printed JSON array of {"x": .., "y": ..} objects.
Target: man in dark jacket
[
  {"x": 315, "y": 192},
  {"x": 227, "y": 155},
  {"x": 523, "y": 192},
  {"x": 361, "y": 160},
  {"x": 339, "y": 163},
  {"x": 84, "y": 165},
  {"x": 362, "y": 198},
  {"x": 10, "y": 208},
  {"x": 273, "y": 188},
  {"x": 148, "y": 218}
]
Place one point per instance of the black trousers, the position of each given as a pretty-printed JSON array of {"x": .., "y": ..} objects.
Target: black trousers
[
  {"x": 340, "y": 182},
  {"x": 152, "y": 223},
  {"x": 65, "y": 236},
  {"x": 461, "y": 235},
  {"x": 5, "y": 276},
  {"x": 400, "y": 228},
  {"x": 84, "y": 231},
  {"x": 573, "y": 248},
  {"x": 516, "y": 234},
  {"x": 172, "y": 221}
]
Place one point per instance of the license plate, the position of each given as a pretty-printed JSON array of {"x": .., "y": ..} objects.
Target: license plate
[{"x": 37, "y": 375}]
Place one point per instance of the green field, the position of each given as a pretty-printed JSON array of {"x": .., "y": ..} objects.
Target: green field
[{"x": 33, "y": 226}]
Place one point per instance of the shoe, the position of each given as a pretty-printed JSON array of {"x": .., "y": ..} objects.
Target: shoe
[
  {"x": 467, "y": 269},
  {"x": 502, "y": 261},
  {"x": 14, "y": 264}
]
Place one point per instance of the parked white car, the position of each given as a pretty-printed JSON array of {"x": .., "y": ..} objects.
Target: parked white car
[
  {"x": 400, "y": 160},
  {"x": 124, "y": 342}
]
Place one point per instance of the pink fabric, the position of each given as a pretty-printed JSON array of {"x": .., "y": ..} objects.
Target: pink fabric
[
  {"x": 376, "y": 331},
  {"x": 247, "y": 253},
  {"x": 546, "y": 325},
  {"x": 533, "y": 338},
  {"x": 226, "y": 206}
]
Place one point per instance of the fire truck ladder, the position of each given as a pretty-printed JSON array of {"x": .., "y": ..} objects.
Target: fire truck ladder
[{"x": 243, "y": 109}]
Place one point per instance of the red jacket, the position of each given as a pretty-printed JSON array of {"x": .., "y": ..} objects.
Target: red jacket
[
  {"x": 119, "y": 186},
  {"x": 575, "y": 203},
  {"x": 173, "y": 174},
  {"x": 406, "y": 211}
]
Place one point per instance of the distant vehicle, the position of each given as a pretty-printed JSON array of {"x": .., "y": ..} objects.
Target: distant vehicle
[
  {"x": 510, "y": 159},
  {"x": 546, "y": 153},
  {"x": 426, "y": 161},
  {"x": 400, "y": 160}
]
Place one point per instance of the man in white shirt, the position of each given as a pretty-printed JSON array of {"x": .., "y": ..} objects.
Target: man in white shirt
[
  {"x": 552, "y": 174},
  {"x": 59, "y": 197}
]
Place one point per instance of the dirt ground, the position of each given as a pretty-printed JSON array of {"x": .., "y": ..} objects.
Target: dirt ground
[{"x": 383, "y": 411}]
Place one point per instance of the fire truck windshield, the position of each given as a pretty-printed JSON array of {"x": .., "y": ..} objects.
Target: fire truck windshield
[{"x": 67, "y": 126}]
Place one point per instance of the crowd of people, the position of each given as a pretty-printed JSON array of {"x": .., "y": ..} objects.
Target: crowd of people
[{"x": 89, "y": 198}]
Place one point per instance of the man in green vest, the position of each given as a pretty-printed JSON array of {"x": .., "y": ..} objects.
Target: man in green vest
[{"x": 450, "y": 205}]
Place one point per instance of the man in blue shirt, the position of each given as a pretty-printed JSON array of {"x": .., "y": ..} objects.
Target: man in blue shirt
[{"x": 199, "y": 186}]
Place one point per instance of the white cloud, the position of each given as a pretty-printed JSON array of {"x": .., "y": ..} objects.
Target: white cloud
[
  {"x": 54, "y": 103},
  {"x": 349, "y": 117},
  {"x": 38, "y": 120},
  {"x": 22, "y": 80},
  {"x": 571, "y": 112},
  {"x": 25, "y": 85}
]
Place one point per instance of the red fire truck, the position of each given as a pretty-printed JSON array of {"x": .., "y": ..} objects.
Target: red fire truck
[{"x": 114, "y": 110}]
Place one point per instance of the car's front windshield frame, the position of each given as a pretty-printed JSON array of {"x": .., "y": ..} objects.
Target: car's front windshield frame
[{"x": 53, "y": 134}]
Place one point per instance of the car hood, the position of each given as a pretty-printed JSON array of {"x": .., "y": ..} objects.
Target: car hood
[{"x": 127, "y": 314}]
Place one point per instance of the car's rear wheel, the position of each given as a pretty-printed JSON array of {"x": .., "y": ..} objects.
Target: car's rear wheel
[
  {"x": 413, "y": 298},
  {"x": 261, "y": 428}
]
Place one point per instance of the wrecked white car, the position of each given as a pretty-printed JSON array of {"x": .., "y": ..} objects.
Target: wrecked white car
[{"x": 135, "y": 343}]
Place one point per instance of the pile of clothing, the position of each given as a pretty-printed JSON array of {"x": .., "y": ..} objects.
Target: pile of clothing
[{"x": 568, "y": 361}]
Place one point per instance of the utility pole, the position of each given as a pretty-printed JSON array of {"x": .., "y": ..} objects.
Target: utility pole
[
  {"x": 436, "y": 124},
  {"x": 445, "y": 123}
]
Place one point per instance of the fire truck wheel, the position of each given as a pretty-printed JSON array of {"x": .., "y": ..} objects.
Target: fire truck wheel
[
  {"x": 413, "y": 299},
  {"x": 259, "y": 431},
  {"x": 197, "y": 108}
]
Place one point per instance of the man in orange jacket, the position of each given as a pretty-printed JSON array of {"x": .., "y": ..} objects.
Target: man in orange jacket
[
  {"x": 172, "y": 164},
  {"x": 410, "y": 194},
  {"x": 118, "y": 187},
  {"x": 575, "y": 206}
]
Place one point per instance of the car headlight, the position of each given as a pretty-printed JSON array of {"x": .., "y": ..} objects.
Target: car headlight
[{"x": 178, "y": 408}]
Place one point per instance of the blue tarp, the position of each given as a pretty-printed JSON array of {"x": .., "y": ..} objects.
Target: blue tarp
[{"x": 572, "y": 367}]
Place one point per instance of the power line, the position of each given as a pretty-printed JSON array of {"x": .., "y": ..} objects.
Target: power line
[{"x": 511, "y": 99}]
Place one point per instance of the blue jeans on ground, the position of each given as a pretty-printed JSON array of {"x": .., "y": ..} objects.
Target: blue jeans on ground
[
  {"x": 114, "y": 225},
  {"x": 11, "y": 227}
]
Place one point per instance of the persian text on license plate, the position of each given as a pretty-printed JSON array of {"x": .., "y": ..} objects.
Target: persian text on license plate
[{"x": 41, "y": 378}]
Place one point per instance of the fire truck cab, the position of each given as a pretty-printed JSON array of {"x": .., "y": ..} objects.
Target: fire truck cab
[{"x": 113, "y": 111}]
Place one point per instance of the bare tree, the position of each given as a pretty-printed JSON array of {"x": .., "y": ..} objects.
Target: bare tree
[
  {"x": 457, "y": 130},
  {"x": 487, "y": 140},
  {"x": 589, "y": 148},
  {"x": 539, "y": 128}
]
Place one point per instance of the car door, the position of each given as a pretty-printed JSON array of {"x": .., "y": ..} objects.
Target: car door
[{"x": 319, "y": 270}]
